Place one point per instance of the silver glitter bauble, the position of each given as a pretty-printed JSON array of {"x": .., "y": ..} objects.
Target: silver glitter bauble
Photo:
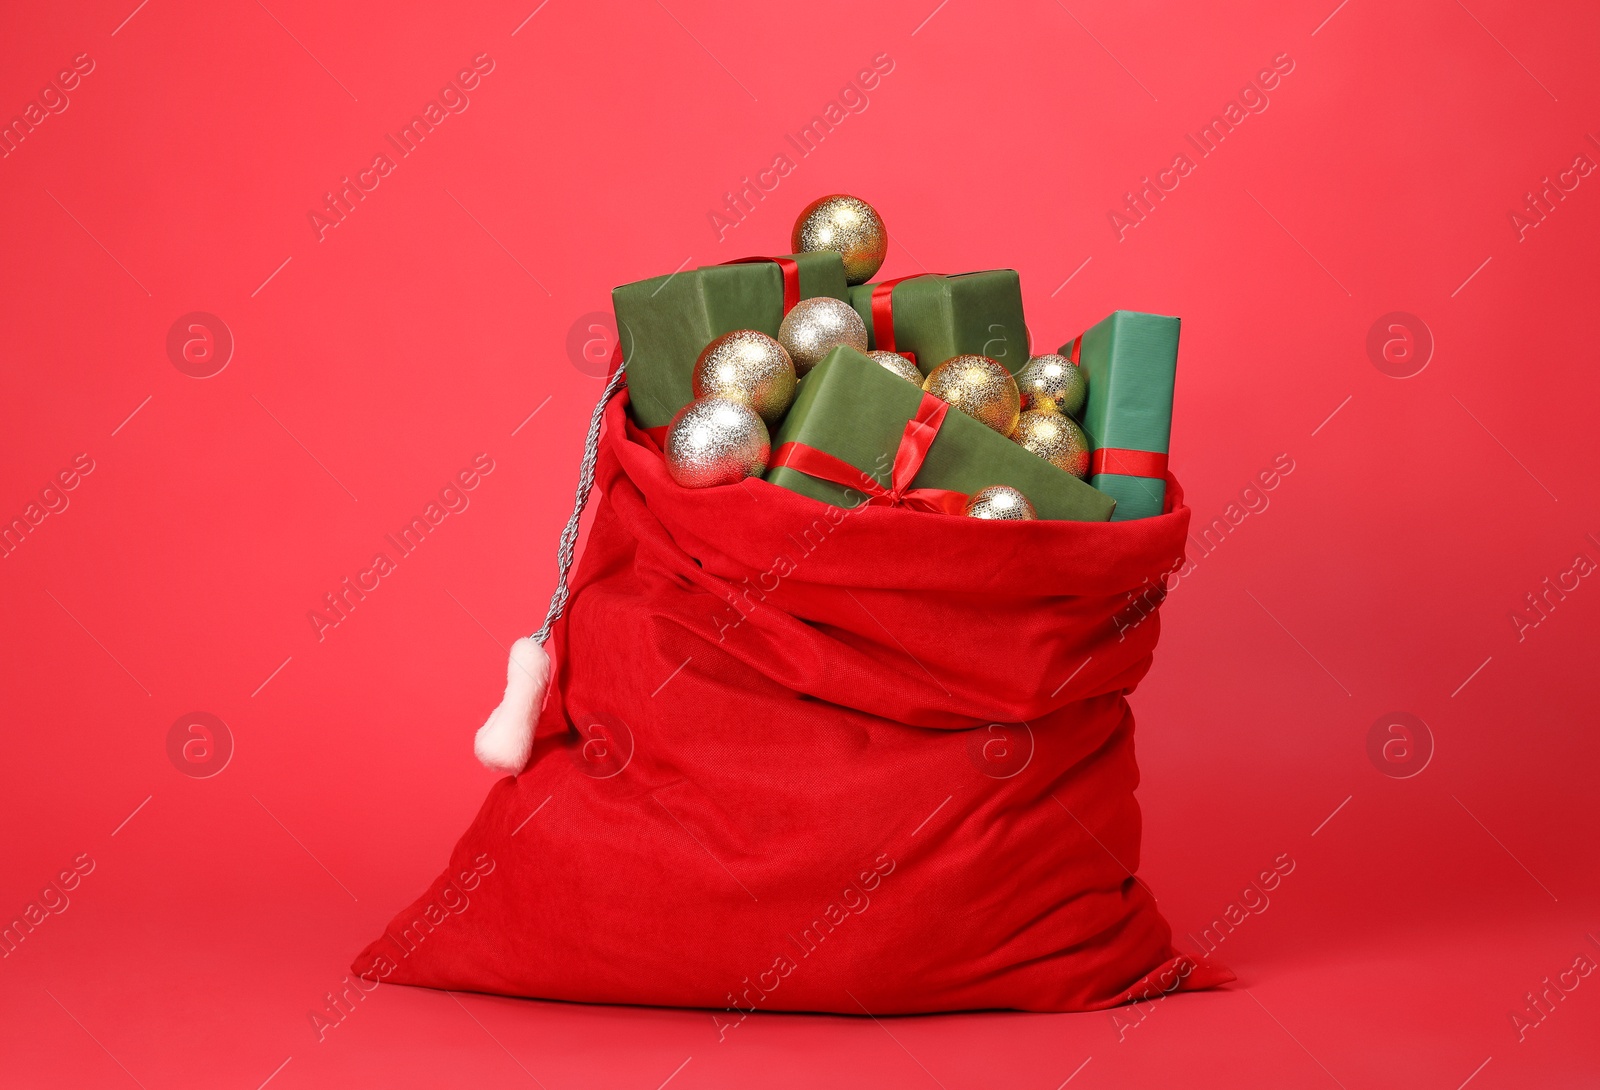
[
  {"x": 1053, "y": 383},
  {"x": 716, "y": 441},
  {"x": 897, "y": 364},
  {"x": 749, "y": 366},
  {"x": 999, "y": 501},
  {"x": 816, "y": 327}
]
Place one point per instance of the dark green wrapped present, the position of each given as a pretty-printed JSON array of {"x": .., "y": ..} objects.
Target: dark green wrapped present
[
  {"x": 935, "y": 317},
  {"x": 665, "y": 322},
  {"x": 1131, "y": 361},
  {"x": 852, "y": 417}
]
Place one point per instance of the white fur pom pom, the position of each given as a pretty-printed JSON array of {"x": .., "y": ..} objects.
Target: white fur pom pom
[{"x": 506, "y": 737}]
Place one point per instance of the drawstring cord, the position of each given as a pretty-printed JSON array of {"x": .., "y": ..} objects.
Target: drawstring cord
[{"x": 569, "y": 533}]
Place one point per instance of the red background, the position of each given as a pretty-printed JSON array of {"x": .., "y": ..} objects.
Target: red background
[{"x": 426, "y": 328}]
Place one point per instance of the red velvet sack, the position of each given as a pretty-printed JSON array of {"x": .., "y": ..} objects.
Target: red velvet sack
[{"x": 801, "y": 758}]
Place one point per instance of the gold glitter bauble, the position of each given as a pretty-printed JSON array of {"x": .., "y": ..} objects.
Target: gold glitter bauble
[
  {"x": 749, "y": 366},
  {"x": 716, "y": 441},
  {"x": 897, "y": 364},
  {"x": 1055, "y": 438},
  {"x": 1053, "y": 384},
  {"x": 979, "y": 387},
  {"x": 848, "y": 225},
  {"x": 999, "y": 501},
  {"x": 816, "y": 327}
]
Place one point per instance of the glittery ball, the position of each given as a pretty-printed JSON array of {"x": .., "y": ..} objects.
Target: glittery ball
[
  {"x": 848, "y": 225},
  {"x": 749, "y": 366},
  {"x": 897, "y": 364},
  {"x": 1055, "y": 438},
  {"x": 716, "y": 441},
  {"x": 816, "y": 327},
  {"x": 999, "y": 501},
  {"x": 979, "y": 387},
  {"x": 1053, "y": 383}
]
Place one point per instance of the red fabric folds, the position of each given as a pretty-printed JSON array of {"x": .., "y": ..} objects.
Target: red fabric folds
[{"x": 803, "y": 758}]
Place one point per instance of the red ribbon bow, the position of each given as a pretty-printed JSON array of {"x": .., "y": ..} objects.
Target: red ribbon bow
[{"x": 921, "y": 430}]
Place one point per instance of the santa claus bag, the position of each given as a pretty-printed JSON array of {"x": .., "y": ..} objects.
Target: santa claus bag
[{"x": 803, "y": 758}]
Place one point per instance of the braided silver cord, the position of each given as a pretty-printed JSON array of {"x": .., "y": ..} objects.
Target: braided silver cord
[{"x": 569, "y": 533}]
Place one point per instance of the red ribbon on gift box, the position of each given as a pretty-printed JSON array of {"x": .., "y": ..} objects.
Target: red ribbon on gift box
[
  {"x": 1128, "y": 463},
  {"x": 915, "y": 442},
  {"x": 791, "y": 276},
  {"x": 883, "y": 314}
]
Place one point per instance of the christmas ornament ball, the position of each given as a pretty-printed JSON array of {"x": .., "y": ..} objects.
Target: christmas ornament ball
[
  {"x": 816, "y": 327},
  {"x": 1053, "y": 383},
  {"x": 848, "y": 225},
  {"x": 749, "y": 366},
  {"x": 979, "y": 387},
  {"x": 999, "y": 501},
  {"x": 896, "y": 364},
  {"x": 1056, "y": 438},
  {"x": 715, "y": 441}
]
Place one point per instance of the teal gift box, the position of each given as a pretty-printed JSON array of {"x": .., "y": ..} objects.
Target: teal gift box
[{"x": 1131, "y": 362}]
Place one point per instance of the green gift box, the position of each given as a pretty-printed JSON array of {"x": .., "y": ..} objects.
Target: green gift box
[
  {"x": 664, "y": 323},
  {"x": 854, "y": 410},
  {"x": 1131, "y": 361},
  {"x": 935, "y": 317}
]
